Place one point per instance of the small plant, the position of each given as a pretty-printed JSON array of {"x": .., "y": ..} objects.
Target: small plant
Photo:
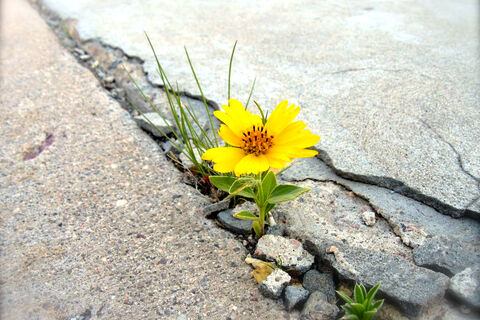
[
  {"x": 256, "y": 146},
  {"x": 362, "y": 306}
]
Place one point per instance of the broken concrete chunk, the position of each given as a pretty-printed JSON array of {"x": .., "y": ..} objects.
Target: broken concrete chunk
[
  {"x": 323, "y": 282},
  {"x": 295, "y": 296},
  {"x": 233, "y": 224},
  {"x": 273, "y": 286},
  {"x": 411, "y": 287},
  {"x": 153, "y": 123},
  {"x": 289, "y": 251},
  {"x": 465, "y": 286},
  {"x": 317, "y": 307},
  {"x": 276, "y": 230},
  {"x": 447, "y": 255},
  {"x": 369, "y": 218}
]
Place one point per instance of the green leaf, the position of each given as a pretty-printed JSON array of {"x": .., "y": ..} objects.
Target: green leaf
[
  {"x": 240, "y": 186},
  {"x": 357, "y": 308},
  {"x": 345, "y": 298},
  {"x": 245, "y": 215},
  {"x": 371, "y": 294},
  {"x": 377, "y": 305},
  {"x": 348, "y": 309},
  {"x": 224, "y": 183},
  {"x": 364, "y": 291},
  {"x": 286, "y": 192},
  {"x": 358, "y": 294},
  {"x": 268, "y": 184},
  {"x": 269, "y": 207},
  {"x": 369, "y": 315},
  {"x": 257, "y": 228}
]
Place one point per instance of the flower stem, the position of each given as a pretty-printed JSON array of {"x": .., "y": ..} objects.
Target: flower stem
[{"x": 260, "y": 203}]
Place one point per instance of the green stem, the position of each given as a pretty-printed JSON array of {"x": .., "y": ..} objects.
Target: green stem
[{"x": 260, "y": 203}]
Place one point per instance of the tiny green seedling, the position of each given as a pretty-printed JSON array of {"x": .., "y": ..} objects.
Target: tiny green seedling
[{"x": 362, "y": 306}]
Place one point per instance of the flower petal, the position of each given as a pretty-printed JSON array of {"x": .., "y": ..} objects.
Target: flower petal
[
  {"x": 236, "y": 117},
  {"x": 276, "y": 163},
  {"x": 281, "y": 117},
  {"x": 229, "y": 136},
  {"x": 302, "y": 139},
  {"x": 291, "y": 152},
  {"x": 251, "y": 164},
  {"x": 225, "y": 158}
]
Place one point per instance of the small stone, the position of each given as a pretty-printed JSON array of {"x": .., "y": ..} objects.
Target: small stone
[
  {"x": 369, "y": 218},
  {"x": 216, "y": 207},
  {"x": 233, "y": 224},
  {"x": 295, "y": 296},
  {"x": 332, "y": 249},
  {"x": 79, "y": 51},
  {"x": 273, "y": 286},
  {"x": 465, "y": 286},
  {"x": 121, "y": 203},
  {"x": 317, "y": 307},
  {"x": 276, "y": 230},
  {"x": 289, "y": 251},
  {"x": 323, "y": 282},
  {"x": 108, "y": 79},
  {"x": 153, "y": 123},
  {"x": 84, "y": 57}
]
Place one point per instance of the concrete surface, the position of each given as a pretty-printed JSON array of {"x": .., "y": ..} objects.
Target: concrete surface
[
  {"x": 98, "y": 224},
  {"x": 392, "y": 87}
]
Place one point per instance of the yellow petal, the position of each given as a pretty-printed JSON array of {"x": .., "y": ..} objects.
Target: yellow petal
[
  {"x": 251, "y": 164},
  {"x": 236, "y": 117},
  {"x": 303, "y": 139},
  {"x": 281, "y": 117},
  {"x": 229, "y": 136},
  {"x": 225, "y": 158},
  {"x": 292, "y": 129},
  {"x": 291, "y": 152},
  {"x": 275, "y": 162}
]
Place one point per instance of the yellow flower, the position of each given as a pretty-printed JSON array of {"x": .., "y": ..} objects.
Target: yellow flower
[{"x": 255, "y": 147}]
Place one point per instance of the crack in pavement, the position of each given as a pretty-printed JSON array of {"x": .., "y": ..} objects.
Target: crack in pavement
[
  {"x": 380, "y": 181},
  {"x": 396, "y": 186},
  {"x": 459, "y": 157}
]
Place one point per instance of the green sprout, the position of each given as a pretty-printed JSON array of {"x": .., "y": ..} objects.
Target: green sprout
[{"x": 362, "y": 306}]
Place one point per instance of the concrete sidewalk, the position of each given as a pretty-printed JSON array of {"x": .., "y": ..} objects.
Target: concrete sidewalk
[{"x": 96, "y": 224}]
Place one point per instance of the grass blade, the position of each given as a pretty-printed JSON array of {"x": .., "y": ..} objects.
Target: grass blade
[{"x": 230, "y": 68}]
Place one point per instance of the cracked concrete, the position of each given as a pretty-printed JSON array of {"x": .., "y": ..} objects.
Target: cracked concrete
[
  {"x": 410, "y": 220},
  {"x": 99, "y": 225},
  {"x": 367, "y": 74}
]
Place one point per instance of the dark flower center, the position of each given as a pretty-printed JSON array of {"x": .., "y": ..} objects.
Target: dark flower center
[{"x": 256, "y": 140}]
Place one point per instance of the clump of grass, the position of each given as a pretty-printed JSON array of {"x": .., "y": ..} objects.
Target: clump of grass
[
  {"x": 362, "y": 306},
  {"x": 188, "y": 135}
]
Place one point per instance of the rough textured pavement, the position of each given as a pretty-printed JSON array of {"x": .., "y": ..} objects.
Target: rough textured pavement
[
  {"x": 392, "y": 87},
  {"x": 99, "y": 225}
]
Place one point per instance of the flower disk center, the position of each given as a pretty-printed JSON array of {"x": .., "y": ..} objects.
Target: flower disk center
[{"x": 256, "y": 140}]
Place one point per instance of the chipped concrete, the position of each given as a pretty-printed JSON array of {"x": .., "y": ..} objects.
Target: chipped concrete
[{"x": 411, "y": 220}]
